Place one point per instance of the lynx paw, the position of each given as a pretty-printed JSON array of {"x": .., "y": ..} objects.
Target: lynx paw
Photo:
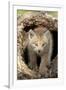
[
  {"x": 33, "y": 67},
  {"x": 44, "y": 72}
]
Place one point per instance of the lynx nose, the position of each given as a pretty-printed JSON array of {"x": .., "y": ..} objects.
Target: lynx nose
[{"x": 39, "y": 51}]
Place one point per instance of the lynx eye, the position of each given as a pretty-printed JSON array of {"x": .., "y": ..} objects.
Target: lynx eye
[
  {"x": 36, "y": 44},
  {"x": 44, "y": 44}
]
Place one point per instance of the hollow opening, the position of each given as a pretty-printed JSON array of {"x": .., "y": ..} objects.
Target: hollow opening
[{"x": 54, "y": 52}]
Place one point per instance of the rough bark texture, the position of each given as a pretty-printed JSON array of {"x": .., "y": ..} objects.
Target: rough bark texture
[{"x": 24, "y": 24}]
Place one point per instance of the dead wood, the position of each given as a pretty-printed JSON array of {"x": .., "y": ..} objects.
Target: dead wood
[{"x": 24, "y": 23}]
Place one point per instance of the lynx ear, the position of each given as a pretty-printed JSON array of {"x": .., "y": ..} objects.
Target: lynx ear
[
  {"x": 46, "y": 33},
  {"x": 31, "y": 34},
  {"x": 46, "y": 36}
]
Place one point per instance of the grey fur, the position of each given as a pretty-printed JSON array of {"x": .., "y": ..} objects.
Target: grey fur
[{"x": 45, "y": 57}]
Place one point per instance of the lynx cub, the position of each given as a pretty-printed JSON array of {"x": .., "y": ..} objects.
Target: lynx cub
[{"x": 40, "y": 43}]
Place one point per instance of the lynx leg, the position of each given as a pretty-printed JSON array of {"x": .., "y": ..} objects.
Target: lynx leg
[
  {"x": 43, "y": 69},
  {"x": 32, "y": 60}
]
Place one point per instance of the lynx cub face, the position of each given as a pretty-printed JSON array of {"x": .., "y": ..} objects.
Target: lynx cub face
[{"x": 37, "y": 42}]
